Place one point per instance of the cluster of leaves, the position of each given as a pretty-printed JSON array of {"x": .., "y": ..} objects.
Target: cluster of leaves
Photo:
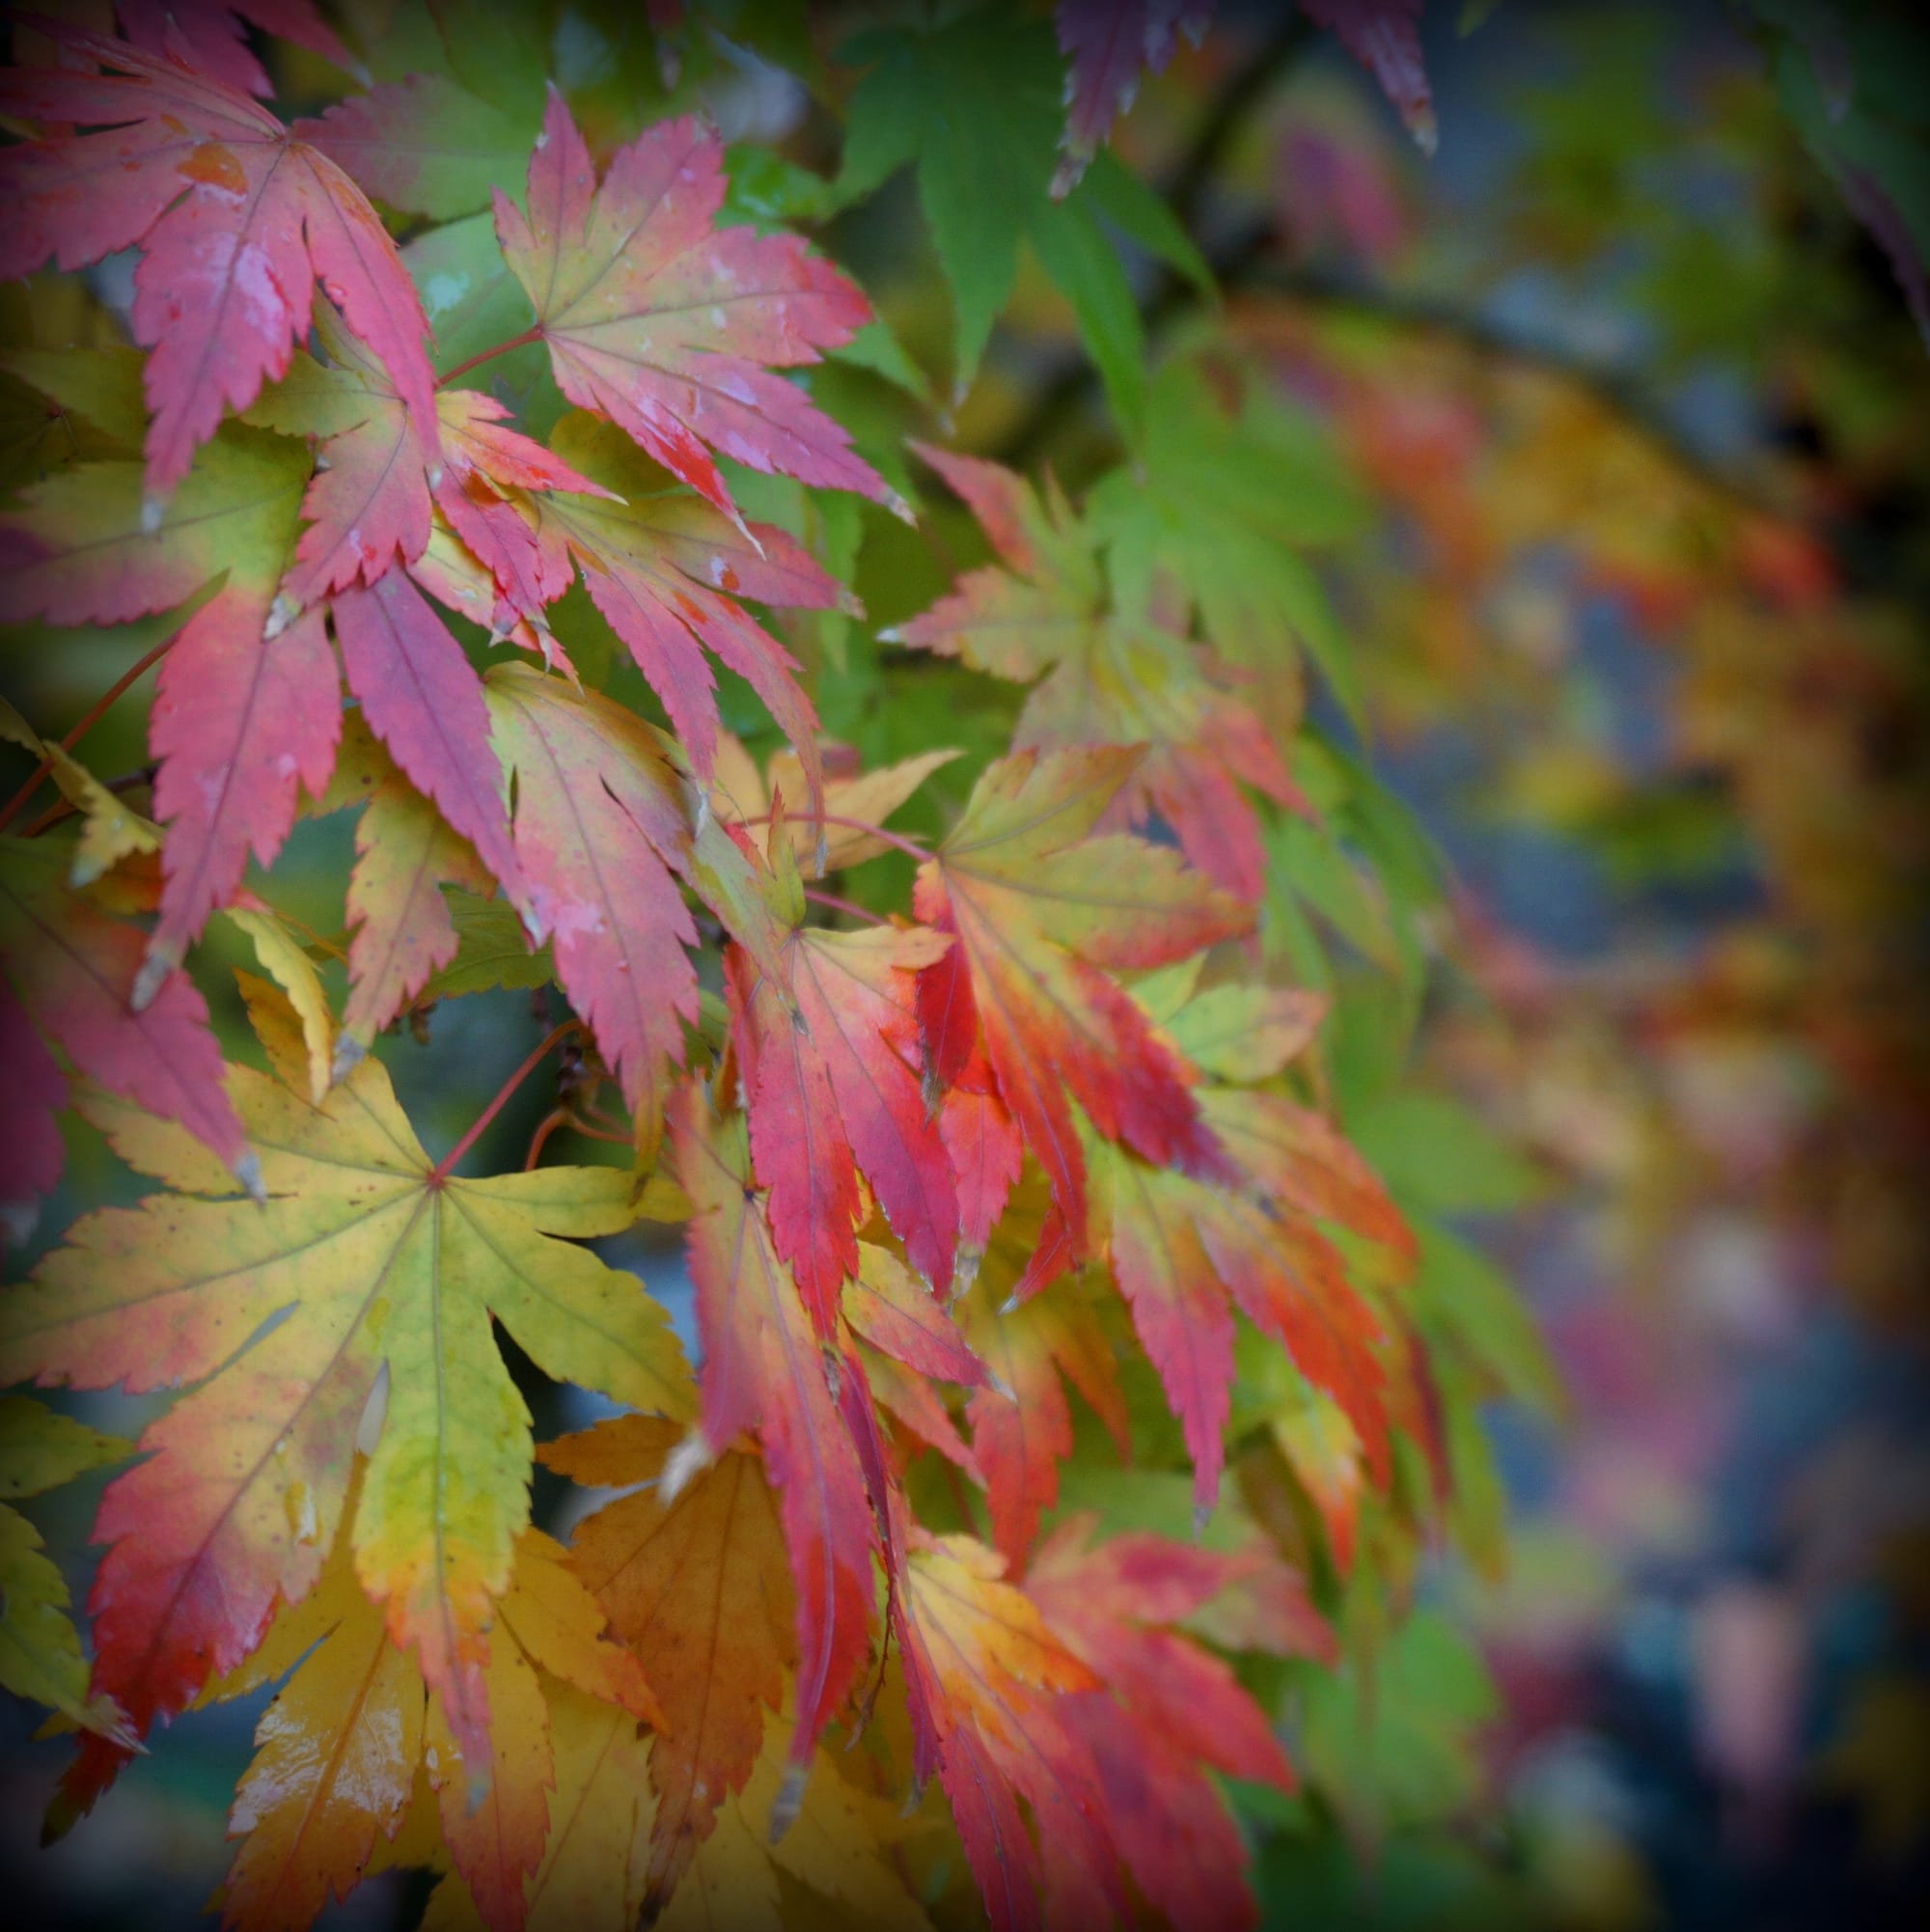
[{"x": 1056, "y": 1110}]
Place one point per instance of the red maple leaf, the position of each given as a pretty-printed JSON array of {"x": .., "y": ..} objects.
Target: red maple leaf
[
  {"x": 762, "y": 1371},
  {"x": 212, "y": 34},
  {"x": 236, "y": 220},
  {"x": 671, "y": 326},
  {"x": 827, "y": 1039},
  {"x": 1039, "y": 907}
]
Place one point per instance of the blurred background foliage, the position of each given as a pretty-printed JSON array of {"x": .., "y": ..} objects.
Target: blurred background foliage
[{"x": 1587, "y": 463}]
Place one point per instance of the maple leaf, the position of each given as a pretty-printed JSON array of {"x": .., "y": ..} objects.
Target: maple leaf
[
  {"x": 670, "y": 326},
  {"x": 835, "y": 1853},
  {"x": 1384, "y": 37},
  {"x": 404, "y": 929},
  {"x": 835, "y": 1844},
  {"x": 286, "y": 960},
  {"x": 985, "y": 1148},
  {"x": 1021, "y": 1426},
  {"x": 240, "y": 720},
  {"x": 695, "y": 1581},
  {"x": 67, "y": 970},
  {"x": 600, "y": 817},
  {"x": 907, "y": 1342},
  {"x": 1229, "y": 494},
  {"x": 1169, "y": 1707},
  {"x": 371, "y": 503},
  {"x": 424, "y": 700},
  {"x": 664, "y": 569},
  {"x": 826, "y": 1036},
  {"x": 984, "y": 1678},
  {"x": 1183, "y": 1252},
  {"x": 763, "y": 1372},
  {"x": 356, "y": 1732},
  {"x": 383, "y": 1271},
  {"x": 1238, "y": 1030},
  {"x": 1108, "y": 44},
  {"x": 1303, "y": 1161},
  {"x": 211, "y": 35},
  {"x": 1107, "y": 676},
  {"x": 421, "y": 144},
  {"x": 39, "y": 1653},
  {"x": 1038, "y": 907},
  {"x": 974, "y": 103},
  {"x": 236, "y": 221}
]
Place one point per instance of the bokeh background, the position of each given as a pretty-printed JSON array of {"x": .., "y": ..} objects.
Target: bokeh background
[{"x": 1611, "y": 422}]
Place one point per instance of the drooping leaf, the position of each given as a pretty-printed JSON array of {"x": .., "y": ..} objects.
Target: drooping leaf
[
  {"x": 213, "y": 37},
  {"x": 1040, "y": 908},
  {"x": 984, "y": 1678},
  {"x": 1108, "y": 44},
  {"x": 1021, "y": 1423},
  {"x": 762, "y": 1371},
  {"x": 40, "y": 1652},
  {"x": 241, "y": 719},
  {"x": 1384, "y": 37},
  {"x": 380, "y": 1271},
  {"x": 670, "y": 326},
  {"x": 600, "y": 817},
  {"x": 1185, "y": 1253},
  {"x": 1105, "y": 675},
  {"x": 974, "y": 103},
  {"x": 827, "y": 1055},
  {"x": 1170, "y": 1708},
  {"x": 699, "y": 1584},
  {"x": 67, "y": 970},
  {"x": 238, "y": 220},
  {"x": 355, "y": 1732}
]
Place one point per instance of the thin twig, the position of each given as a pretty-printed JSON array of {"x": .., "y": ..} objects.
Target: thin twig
[
  {"x": 445, "y": 1166},
  {"x": 865, "y": 825},
  {"x": 91, "y": 717},
  {"x": 844, "y": 905},
  {"x": 533, "y": 333}
]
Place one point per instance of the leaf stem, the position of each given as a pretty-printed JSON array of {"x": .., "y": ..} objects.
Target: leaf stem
[
  {"x": 89, "y": 719},
  {"x": 533, "y": 333},
  {"x": 66, "y": 808},
  {"x": 844, "y": 905},
  {"x": 443, "y": 1168},
  {"x": 916, "y": 850}
]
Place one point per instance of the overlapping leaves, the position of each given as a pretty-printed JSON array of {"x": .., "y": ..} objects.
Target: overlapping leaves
[{"x": 936, "y": 1169}]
